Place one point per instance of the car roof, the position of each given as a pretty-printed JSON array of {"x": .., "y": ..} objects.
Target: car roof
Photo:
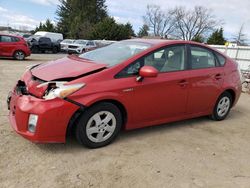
[
  {"x": 159, "y": 42},
  {"x": 163, "y": 41},
  {"x": 150, "y": 41}
]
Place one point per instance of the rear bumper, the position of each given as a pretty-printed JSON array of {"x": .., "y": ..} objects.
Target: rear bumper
[
  {"x": 237, "y": 95},
  {"x": 28, "y": 54},
  {"x": 53, "y": 117}
]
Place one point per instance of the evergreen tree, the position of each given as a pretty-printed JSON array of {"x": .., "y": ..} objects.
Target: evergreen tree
[
  {"x": 108, "y": 29},
  {"x": 128, "y": 30},
  {"x": 47, "y": 26},
  {"x": 217, "y": 37},
  {"x": 198, "y": 38},
  {"x": 77, "y": 17},
  {"x": 143, "y": 31}
]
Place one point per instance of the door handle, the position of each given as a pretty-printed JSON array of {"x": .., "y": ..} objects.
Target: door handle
[
  {"x": 218, "y": 76},
  {"x": 183, "y": 83}
]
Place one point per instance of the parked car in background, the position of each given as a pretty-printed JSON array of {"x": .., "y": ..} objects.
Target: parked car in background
[
  {"x": 26, "y": 36},
  {"x": 81, "y": 46},
  {"x": 13, "y": 46},
  {"x": 54, "y": 37},
  {"x": 126, "y": 85},
  {"x": 65, "y": 44},
  {"x": 42, "y": 44}
]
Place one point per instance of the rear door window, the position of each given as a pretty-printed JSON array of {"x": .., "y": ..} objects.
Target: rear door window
[
  {"x": 201, "y": 58},
  {"x": 15, "y": 39}
]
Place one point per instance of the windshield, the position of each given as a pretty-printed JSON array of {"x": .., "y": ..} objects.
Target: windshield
[
  {"x": 116, "y": 53},
  {"x": 68, "y": 41},
  {"x": 80, "y": 42}
]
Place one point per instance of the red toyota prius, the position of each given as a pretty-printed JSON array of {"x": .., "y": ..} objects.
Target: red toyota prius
[{"x": 129, "y": 84}]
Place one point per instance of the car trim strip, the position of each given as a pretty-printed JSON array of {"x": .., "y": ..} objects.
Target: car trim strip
[{"x": 82, "y": 107}]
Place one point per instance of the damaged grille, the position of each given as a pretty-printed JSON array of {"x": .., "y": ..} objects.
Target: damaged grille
[{"x": 21, "y": 88}]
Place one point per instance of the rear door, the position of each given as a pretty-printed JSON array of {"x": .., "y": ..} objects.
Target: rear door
[{"x": 205, "y": 79}]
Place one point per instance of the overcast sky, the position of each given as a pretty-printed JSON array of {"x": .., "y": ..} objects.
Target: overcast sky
[{"x": 30, "y": 12}]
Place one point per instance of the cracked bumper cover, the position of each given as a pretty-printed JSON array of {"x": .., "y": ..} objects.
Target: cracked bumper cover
[{"x": 53, "y": 117}]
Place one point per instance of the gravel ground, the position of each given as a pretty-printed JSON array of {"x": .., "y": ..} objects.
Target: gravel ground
[{"x": 187, "y": 154}]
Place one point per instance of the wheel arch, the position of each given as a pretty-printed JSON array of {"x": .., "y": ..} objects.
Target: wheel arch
[
  {"x": 16, "y": 50},
  {"x": 232, "y": 93},
  {"x": 75, "y": 117}
]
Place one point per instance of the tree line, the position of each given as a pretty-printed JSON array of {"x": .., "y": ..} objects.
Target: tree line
[
  {"x": 89, "y": 19},
  {"x": 197, "y": 24},
  {"x": 86, "y": 19}
]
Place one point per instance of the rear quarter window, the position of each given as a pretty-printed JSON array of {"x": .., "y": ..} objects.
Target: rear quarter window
[
  {"x": 221, "y": 59},
  {"x": 15, "y": 39}
]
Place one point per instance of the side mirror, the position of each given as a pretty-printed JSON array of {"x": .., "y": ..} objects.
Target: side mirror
[{"x": 148, "y": 71}]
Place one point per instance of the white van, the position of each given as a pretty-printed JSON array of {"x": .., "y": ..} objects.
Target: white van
[{"x": 54, "y": 37}]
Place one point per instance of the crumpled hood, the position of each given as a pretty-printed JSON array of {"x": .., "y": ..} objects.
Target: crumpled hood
[{"x": 68, "y": 67}]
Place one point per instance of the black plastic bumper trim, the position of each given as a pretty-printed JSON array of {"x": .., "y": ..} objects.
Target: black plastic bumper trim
[{"x": 82, "y": 107}]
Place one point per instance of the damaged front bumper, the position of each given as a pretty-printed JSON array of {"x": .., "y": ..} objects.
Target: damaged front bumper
[{"x": 53, "y": 117}]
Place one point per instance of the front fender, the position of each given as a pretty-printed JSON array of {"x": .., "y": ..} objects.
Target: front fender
[{"x": 93, "y": 98}]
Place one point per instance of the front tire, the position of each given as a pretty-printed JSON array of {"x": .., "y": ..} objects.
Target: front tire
[
  {"x": 99, "y": 125},
  {"x": 222, "y": 107}
]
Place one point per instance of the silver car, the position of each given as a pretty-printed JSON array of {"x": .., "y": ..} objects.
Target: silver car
[{"x": 80, "y": 46}]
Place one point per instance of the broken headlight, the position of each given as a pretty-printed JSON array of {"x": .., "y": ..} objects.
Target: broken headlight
[{"x": 60, "y": 89}]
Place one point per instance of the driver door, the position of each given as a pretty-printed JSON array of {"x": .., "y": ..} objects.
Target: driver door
[{"x": 157, "y": 100}]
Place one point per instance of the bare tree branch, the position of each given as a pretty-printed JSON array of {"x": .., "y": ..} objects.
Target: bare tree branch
[
  {"x": 240, "y": 37},
  {"x": 180, "y": 22},
  {"x": 192, "y": 23},
  {"x": 159, "y": 22}
]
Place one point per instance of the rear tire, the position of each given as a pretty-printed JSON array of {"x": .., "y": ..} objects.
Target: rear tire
[
  {"x": 35, "y": 49},
  {"x": 19, "y": 55},
  {"x": 99, "y": 125},
  {"x": 222, "y": 107}
]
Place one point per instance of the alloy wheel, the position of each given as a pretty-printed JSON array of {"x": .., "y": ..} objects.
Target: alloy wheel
[
  {"x": 101, "y": 126},
  {"x": 223, "y": 106},
  {"x": 19, "y": 55}
]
